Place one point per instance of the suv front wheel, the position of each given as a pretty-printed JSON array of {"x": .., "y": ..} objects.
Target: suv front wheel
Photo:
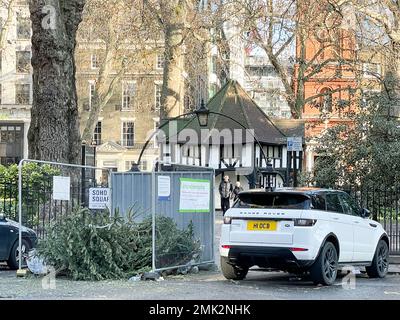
[
  {"x": 13, "y": 261},
  {"x": 324, "y": 269},
  {"x": 231, "y": 272}
]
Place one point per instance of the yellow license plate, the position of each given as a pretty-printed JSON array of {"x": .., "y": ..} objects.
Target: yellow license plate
[{"x": 261, "y": 225}]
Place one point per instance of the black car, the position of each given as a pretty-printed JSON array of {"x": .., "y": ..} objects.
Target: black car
[{"x": 9, "y": 248}]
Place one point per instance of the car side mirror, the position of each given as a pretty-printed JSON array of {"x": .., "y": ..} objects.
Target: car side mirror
[
  {"x": 365, "y": 213},
  {"x": 2, "y": 216}
]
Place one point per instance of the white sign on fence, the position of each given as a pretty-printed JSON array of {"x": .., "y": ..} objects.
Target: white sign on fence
[
  {"x": 295, "y": 144},
  {"x": 61, "y": 188},
  {"x": 194, "y": 195},
  {"x": 99, "y": 198},
  {"x": 164, "y": 188}
]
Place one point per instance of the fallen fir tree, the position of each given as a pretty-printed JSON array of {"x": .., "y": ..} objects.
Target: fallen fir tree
[{"x": 87, "y": 246}]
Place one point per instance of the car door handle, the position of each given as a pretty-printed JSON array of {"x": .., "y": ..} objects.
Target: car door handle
[
  {"x": 357, "y": 222},
  {"x": 373, "y": 225},
  {"x": 335, "y": 218},
  {"x": 12, "y": 231}
]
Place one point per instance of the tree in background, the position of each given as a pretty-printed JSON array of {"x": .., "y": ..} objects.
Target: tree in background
[
  {"x": 379, "y": 24},
  {"x": 118, "y": 31},
  {"x": 368, "y": 152},
  {"x": 284, "y": 27},
  {"x": 54, "y": 131},
  {"x": 5, "y": 24},
  {"x": 365, "y": 153},
  {"x": 186, "y": 26}
]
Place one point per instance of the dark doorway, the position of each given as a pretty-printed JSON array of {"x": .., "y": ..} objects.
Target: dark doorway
[{"x": 11, "y": 143}]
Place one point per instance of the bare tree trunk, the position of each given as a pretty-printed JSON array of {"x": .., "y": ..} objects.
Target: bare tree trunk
[
  {"x": 54, "y": 132},
  {"x": 173, "y": 84},
  {"x": 172, "y": 97},
  {"x": 299, "y": 101}
]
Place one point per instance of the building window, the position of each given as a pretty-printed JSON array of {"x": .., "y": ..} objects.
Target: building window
[
  {"x": 371, "y": 70},
  {"x": 23, "y": 61},
  {"x": 128, "y": 134},
  {"x": 94, "y": 61},
  {"x": 11, "y": 143},
  {"x": 155, "y": 139},
  {"x": 22, "y": 93},
  {"x": 92, "y": 91},
  {"x": 142, "y": 166},
  {"x": 128, "y": 95},
  {"x": 158, "y": 92},
  {"x": 23, "y": 29},
  {"x": 97, "y": 134},
  {"x": 214, "y": 64},
  {"x": 128, "y": 165},
  {"x": 160, "y": 61},
  {"x": 326, "y": 100}
]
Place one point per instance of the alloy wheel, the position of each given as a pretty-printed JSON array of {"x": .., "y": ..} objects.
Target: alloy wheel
[
  {"x": 330, "y": 264},
  {"x": 383, "y": 259},
  {"x": 24, "y": 254}
]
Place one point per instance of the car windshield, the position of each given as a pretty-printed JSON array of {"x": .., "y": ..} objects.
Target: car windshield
[{"x": 273, "y": 201}]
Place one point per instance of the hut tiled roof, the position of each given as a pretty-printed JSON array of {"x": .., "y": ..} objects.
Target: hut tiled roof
[{"x": 233, "y": 101}]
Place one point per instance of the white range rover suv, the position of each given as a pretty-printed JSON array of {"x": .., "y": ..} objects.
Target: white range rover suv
[{"x": 301, "y": 230}]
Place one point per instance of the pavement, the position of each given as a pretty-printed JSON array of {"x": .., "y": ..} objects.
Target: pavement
[
  {"x": 203, "y": 286},
  {"x": 206, "y": 285}
]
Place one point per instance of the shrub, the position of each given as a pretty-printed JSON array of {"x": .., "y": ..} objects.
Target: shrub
[
  {"x": 36, "y": 183},
  {"x": 87, "y": 246}
]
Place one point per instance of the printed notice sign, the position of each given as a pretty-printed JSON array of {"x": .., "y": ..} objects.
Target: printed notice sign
[
  {"x": 99, "y": 198},
  {"x": 164, "y": 188},
  {"x": 295, "y": 144},
  {"x": 194, "y": 195},
  {"x": 61, "y": 188}
]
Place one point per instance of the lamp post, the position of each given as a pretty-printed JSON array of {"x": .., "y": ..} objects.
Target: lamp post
[
  {"x": 202, "y": 115},
  {"x": 268, "y": 175}
]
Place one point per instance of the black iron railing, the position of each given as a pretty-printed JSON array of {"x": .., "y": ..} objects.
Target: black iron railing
[
  {"x": 38, "y": 206},
  {"x": 384, "y": 205}
]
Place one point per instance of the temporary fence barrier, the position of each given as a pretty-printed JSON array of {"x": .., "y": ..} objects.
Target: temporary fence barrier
[
  {"x": 48, "y": 191},
  {"x": 181, "y": 207}
]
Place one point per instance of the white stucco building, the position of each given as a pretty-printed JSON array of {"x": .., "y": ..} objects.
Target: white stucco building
[{"x": 15, "y": 82}]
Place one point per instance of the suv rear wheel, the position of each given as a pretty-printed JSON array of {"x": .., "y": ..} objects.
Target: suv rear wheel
[
  {"x": 380, "y": 265},
  {"x": 231, "y": 272},
  {"x": 324, "y": 269}
]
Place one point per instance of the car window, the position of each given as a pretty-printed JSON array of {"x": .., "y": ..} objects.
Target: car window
[
  {"x": 318, "y": 202},
  {"x": 333, "y": 203},
  {"x": 275, "y": 200},
  {"x": 349, "y": 206}
]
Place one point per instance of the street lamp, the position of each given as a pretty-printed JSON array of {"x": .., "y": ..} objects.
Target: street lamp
[
  {"x": 202, "y": 115},
  {"x": 269, "y": 176}
]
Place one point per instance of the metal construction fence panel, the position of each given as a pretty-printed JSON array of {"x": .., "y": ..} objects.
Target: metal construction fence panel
[
  {"x": 46, "y": 192},
  {"x": 181, "y": 206},
  {"x": 384, "y": 204}
]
